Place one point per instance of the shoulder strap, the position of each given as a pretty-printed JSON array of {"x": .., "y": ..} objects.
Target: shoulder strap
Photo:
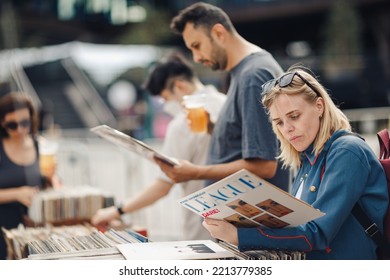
[
  {"x": 384, "y": 143},
  {"x": 372, "y": 230}
]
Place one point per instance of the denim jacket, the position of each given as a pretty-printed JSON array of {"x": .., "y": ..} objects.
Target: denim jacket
[{"x": 352, "y": 173}]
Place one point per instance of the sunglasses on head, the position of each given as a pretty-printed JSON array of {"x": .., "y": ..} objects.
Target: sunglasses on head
[
  {"x": 13, "y": 125},
  {"x": 284, "y": 81}
]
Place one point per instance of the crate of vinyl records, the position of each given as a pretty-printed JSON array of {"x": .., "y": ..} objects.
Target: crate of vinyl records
[
  {"x": 81, "y": 241},
  {"x": 68, "y": 205},
  {"x": 84, "y": 241}
]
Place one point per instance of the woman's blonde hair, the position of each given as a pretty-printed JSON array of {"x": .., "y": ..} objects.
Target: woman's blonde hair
[{"x": 332, "y": 119}]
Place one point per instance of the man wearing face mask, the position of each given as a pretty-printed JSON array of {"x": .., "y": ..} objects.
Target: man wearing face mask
[{"x": 172, "y": 78}]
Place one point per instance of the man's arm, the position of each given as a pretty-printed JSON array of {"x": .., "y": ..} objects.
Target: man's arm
[
  {"x": 158, "y": 189},
  {"x": 187, "y": 171}
]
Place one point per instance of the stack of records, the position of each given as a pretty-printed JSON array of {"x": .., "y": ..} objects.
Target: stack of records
[
  {"x": 86, "y": 242},
  {"x": 58, "y": 206},
  {"x": 68, "y": 242},
  {"x": 263, "y": 254}
]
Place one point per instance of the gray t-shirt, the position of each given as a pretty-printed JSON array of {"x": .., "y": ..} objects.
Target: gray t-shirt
[{"x": 243, "y": 130}]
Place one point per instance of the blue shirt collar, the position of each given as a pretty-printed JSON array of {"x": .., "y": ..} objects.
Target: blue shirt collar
[{"x": 309, "y": 153}]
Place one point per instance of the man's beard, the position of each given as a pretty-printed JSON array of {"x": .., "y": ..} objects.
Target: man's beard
[
  {"x": 220, "y": 58},
  {"x": 218, "y": 55}
]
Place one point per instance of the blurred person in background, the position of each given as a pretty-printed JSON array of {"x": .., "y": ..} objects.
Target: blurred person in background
[
  {"x": 173, "y": 78},
  {"x": 20, "y": 176},
  {"x": 242, "y": 136},
  {"x": 336, "y": 171}
]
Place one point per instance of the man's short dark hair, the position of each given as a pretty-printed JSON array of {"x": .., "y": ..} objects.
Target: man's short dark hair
[
  {"x": 201, "y": 14},
  {"x": 165, "y": 70}
]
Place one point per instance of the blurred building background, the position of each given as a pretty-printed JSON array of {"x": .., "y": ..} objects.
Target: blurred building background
[
  {"x": 346, "y": 42},
  {"x": 84, "y": 61}
]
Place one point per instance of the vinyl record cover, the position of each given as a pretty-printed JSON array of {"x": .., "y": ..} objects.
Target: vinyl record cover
[
  {"x": 130, "y": 143},
  {"x": 245, "y": 200},
  {"x": 175, "y": 250}
]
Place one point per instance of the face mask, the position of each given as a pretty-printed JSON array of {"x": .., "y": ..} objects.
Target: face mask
[{"x": 172, "y": 107}]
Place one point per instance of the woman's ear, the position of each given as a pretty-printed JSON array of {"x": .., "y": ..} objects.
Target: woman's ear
[{"x": 320, "y": 106}]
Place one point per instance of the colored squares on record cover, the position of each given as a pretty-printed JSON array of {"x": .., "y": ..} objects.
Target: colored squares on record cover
[
  {"x": 270, "y": 221},
  {"x": 240, "y": 221},
  {"x": 244, "y": 208},
  {"x": 273, "y": 207},
  {"x": 262, "y": 213}
]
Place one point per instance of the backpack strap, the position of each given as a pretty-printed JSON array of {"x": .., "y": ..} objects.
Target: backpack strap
[
  {"x": 384, "y": 143},
  {"x": 372, "y": 230}
]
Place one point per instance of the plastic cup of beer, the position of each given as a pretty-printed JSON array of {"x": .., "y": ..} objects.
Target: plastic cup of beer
[
  {"x": 47, "y": 159},
  {"x": 196, "y": 113}
]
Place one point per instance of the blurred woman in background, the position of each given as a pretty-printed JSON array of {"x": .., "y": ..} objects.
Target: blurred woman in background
[{"x": 20, "y": 177}]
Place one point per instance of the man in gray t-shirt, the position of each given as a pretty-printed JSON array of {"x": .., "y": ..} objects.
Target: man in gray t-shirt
[
  {"x": 242, "y": 136},
  {"x": 243, "y": 131}
]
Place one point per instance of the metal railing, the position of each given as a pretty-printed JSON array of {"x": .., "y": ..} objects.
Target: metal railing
[
  {"x": 85, "y": 99},
  {"x": 369, "y": 120},
  {"x": 23, "y": 83}
]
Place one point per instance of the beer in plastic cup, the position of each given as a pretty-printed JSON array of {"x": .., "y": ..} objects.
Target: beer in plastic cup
[
  {"x": 47, "y": 158},
  {"x": 196, "y": 113}
]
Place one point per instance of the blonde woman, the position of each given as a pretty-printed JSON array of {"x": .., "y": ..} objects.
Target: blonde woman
[{"x": 336, "y": 170}]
